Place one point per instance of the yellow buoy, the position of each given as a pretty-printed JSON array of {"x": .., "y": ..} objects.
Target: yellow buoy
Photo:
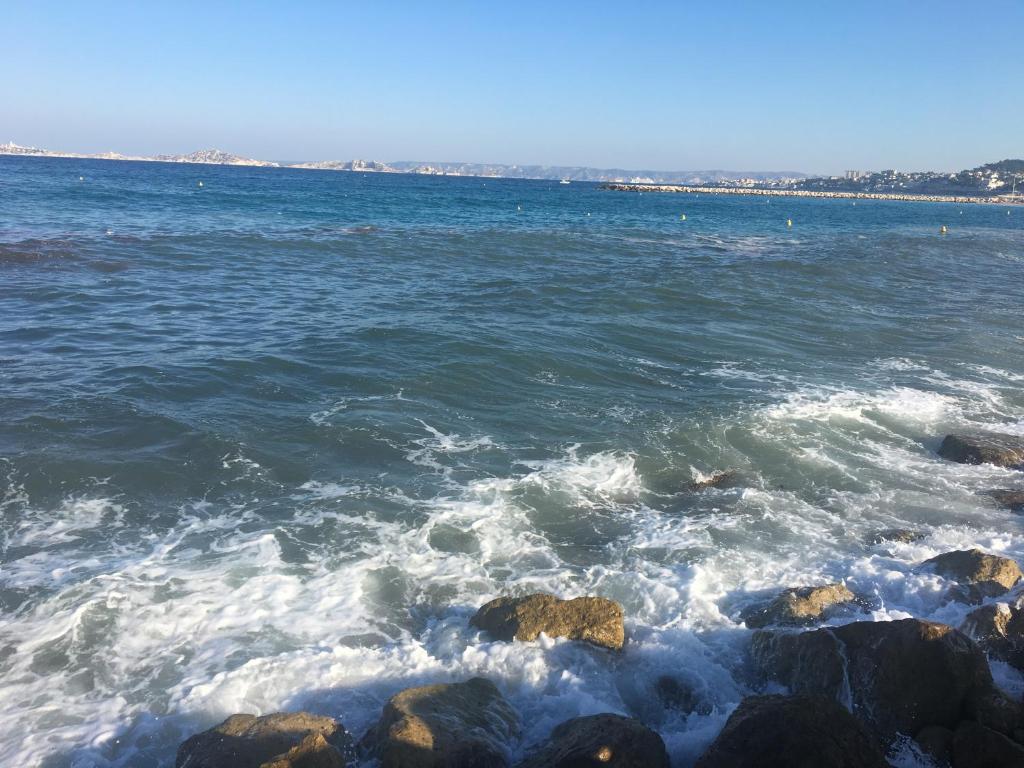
[
  {"x": 944, "y": 230},
  {"x": 682, "y": 217},
  {"x": 789, "y": 222}
]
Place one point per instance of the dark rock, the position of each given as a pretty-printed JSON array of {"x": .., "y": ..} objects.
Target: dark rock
[
  {"x": 592, "y": 619},
  {"x": 999, "y": 629},
  {"x": 1012, "y": 500},
  {"x": 800, "y": 605},
  {"x": 792, "y": 732},
  {"x": 901, "y": 676},
  {"x": 675, "y": 694},
  {"x": 456, "y": 725},
  {"x": 1001, "y": 450},
  {"x": 281, "y": 740},
  {"x": 975, "y": 746},
  {"x": 600, "y": 740},
  {"x": 896, "y": 535},
  {"x": 983, "y": 575}
]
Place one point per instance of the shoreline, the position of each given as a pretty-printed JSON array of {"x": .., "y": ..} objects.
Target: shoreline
[{"x": 903, "y": 197}]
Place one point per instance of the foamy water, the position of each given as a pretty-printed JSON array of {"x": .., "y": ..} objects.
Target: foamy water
[{"x": 246, "y": 476}]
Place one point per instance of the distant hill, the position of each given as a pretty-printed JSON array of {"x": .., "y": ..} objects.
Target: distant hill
[{"x": 991, "y": 179}]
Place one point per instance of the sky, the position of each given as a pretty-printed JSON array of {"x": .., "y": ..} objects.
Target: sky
[{"x": 816, "y": 87}]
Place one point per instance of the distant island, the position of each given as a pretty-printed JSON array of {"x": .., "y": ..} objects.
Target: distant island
[{"x": 993, "y": 182}]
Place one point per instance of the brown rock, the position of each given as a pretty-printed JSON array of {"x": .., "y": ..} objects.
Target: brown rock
[
  {"x": 593, "y": 619},
  {"x": 792, "y": 732},
  {"x": 674, "y": 693},
  {"x": 999, "y": 629},
  {"x": 800, "y": 605},
  {"x": 456, "y": 725},
  {"x": 722, "y": 479},
  {"x": 936, "y": 742},
  {"x": 901, "y": 676},
  {"x": 975, "y": 746},
  {"x": 600, "y": 740},
  {"x": 281, "y": 740},
  {"x": 896, "y": 535},
  {"x": 983, "y": 575},
  {"x": 1012, "y": 500},
  {"x": 1001, "y": 450}
]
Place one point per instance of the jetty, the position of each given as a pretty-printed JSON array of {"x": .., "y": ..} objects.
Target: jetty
[{"x": 771, "y": 192}]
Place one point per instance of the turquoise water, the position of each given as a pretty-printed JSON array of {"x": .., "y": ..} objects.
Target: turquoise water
[{"x": 267, "y": 443}]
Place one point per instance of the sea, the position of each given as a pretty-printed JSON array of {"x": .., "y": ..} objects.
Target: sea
[{"x": 269, "y": 437}]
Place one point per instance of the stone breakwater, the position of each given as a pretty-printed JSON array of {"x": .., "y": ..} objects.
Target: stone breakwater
[
  {"x": 812, "y": 193},
  {"x": 858, "y": 692}
]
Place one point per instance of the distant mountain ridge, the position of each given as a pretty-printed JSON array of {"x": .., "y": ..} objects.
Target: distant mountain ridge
[{"x": 205, "y": 156}]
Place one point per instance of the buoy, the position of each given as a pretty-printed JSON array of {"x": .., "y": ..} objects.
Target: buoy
[
  {"x": 943, "y": 230},
  {"x": 81, "y": 178},
  {"x": 789, "y": 222},
  {"x": 588, "y": 213},
  {"x": 519, "y": 207},
  {"x": 682, "y": 217},
  {"x": 200, "y": 183}
]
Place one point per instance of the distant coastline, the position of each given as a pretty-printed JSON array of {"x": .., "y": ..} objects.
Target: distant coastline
[{"x": 996, "y": 200}]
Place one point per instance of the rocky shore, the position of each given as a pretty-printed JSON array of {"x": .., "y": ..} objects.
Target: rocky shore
[
  {"x": 620, "y": 187},
  {"x": 856, "y": 691}
]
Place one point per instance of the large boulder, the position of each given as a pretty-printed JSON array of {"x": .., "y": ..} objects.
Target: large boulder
[
  {"x": 595, "y": 620},
  {"x": 600, "y": 740},
  {"x": 792, "y": 732},
  {"x": 899, "y": 676},
  {"x": 454, "y": 725},
  {"x": 799, "y": 605},
  {"x": 1013, "y": 500},
  {"x": 282, "y": 740},
  {"x": 1001, "y": 450},
  {"x": 999, "y": 629},
  {"x": 978, "y": 574},
  {"x": 722, "y": 479}
]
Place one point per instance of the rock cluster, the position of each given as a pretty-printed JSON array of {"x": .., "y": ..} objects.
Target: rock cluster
[
  {"x": 1001, "y": 450},
  {"x": 799, "y": 605}
]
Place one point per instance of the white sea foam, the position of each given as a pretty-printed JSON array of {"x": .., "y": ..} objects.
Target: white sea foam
[{"x": 130, "y": 651}]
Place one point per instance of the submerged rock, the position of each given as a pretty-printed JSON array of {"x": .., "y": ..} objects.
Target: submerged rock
[
  {"x": 595, "y": 620},
  {"x": 981, "y": 574},
  {"x": 999, "y": 630},
  {"x": 900, "y": 676},
  {"x": 792, "y": 732},
  {"x": 896, "y": 536},
  {"x": 1001, "y": 450},
  {"x": 676, "y": 694},
  {"x": 282, "y": 740},
  {"x": 1011, "y": 499},
  {"x": 454, "y": 725},
  {"x": 722, "y": 479},
  {"x": 600, "y": 740},
  {"x": 800, "y": 605}
]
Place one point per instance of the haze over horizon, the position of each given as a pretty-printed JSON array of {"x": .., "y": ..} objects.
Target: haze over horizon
[{"x": 734, "y": 87}]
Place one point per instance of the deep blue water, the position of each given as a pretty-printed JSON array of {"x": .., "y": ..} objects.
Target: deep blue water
[{"x": 268, "y": 442}]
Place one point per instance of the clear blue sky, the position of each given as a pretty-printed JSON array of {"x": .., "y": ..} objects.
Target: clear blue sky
[{"x": 814, "y": 86}]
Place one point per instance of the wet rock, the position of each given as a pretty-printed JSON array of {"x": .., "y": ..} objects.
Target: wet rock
[
  {"x": 936, "y": 742},
  {"x": 455, "y": 725},
  {"x": 1001, "y": 450},
  {"x": 600, "y": 740},
  {"x": 800, "y": 605},
  {"x": 901, "y": 676},
  {"x": 896, "y": 536},
  {"x": 1012, "y": 500},
  {"x": 975, "y": 746},
  {"x": 978, "y": 573},
  {"x": 792, "y": 732},
  {"x": 723, "y": 479},
  {"x": 674, "y": 693},
  {"x": 999, "y": 630},
  {"x": 595, "y": 620},
  {"x": 282, "y": 740}
]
